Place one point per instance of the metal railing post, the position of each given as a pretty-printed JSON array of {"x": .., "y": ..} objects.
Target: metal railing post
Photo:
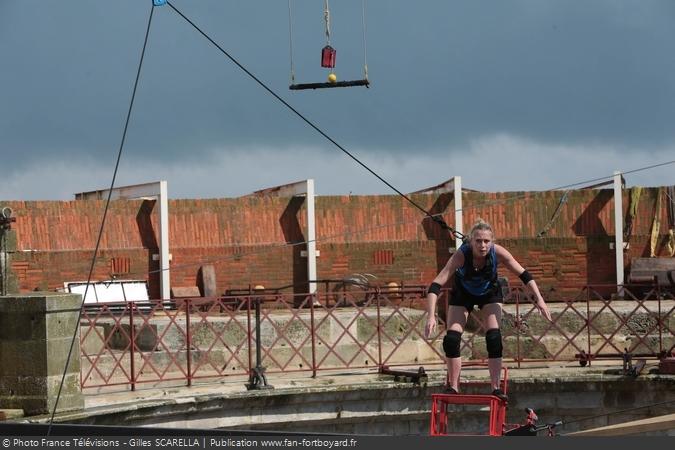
[
  {"x": 588, "y": 324},
  {"x": 313, "y": 334},
  {"x": 257, "y": 378},
  {"x": 188, "y": 341},
  {"x": 379, "y": 331},
  {"x": 132, "y": 344}
]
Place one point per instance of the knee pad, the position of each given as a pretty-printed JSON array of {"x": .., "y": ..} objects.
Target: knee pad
[
  {"x": 493, "y": 342},
  {"x": 451, "y": 343}
]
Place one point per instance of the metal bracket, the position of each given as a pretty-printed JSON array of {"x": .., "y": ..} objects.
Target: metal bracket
[
  {"x": 6, "y": 218},
  {"x": 257, "y": 380},
  {"x": 628, "y": 368},
  {"x": 414, "y": 377}
]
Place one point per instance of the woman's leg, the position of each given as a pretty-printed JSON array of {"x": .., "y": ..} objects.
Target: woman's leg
[
  {"x": 456, "y": 321},
  {"x": 492, "y": 317}
]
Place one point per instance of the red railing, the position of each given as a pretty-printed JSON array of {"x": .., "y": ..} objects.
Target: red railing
[{"x": 159, "y": 341}]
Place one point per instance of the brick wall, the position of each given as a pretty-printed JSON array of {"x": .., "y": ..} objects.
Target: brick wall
[{"x": 246, "y": 238}]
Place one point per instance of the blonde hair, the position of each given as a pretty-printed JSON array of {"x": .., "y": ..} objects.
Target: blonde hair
[{"x": 481, "y": 225}]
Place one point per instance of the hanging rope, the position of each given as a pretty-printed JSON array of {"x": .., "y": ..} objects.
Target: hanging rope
[
  {"x": 555, "y": 215},
  {"x": 326, "y": 18},
  {"x": 290, "y": 38},
  {"x": 365, "y": 46}
]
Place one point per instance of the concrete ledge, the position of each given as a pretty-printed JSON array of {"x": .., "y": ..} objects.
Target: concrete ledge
[
  {"x": 9, "y": 414},
  {"x": 374, "y": 404},
  {"x": 661, "y": 423}
]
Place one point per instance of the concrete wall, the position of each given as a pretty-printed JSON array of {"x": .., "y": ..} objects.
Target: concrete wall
[
  {"x": 36, "y": 331},
  {"x": 244, "y": 237},
  {"x": 372, "y": 406}
]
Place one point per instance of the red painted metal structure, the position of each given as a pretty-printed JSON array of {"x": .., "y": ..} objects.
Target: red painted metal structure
[
  {"x": 441, "y": 413},
  {"x": 127, "y": 344}
]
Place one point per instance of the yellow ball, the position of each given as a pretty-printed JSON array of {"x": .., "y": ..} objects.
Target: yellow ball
[{"x": 332, "y": 78}]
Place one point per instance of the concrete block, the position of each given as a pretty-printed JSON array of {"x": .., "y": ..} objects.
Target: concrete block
[
  {"x": 32, "y": 362},
  {"x": 23, "y": 385},
  {"x": 92, "y": 339},
  {"x": 41, "y": 302},
  {"x": 57, "y": 352},
  {"x": 22, "y": 327},
  {"x": 117, "y": 336},
  {"x": 23, "y": 358},
  {"x": 61, "y": 325},
  {"x": 218, "y": 333},
  {"x": 527, "y": 347}
]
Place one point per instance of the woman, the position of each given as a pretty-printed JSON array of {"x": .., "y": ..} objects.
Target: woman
[{"x": 474, "y": 266}]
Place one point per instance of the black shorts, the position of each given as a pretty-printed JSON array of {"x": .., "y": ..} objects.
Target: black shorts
[{"x": 461, "y": 297}]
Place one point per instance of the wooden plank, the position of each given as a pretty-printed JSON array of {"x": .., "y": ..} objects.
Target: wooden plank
[
  {"x": 208, "y": 280},
  {"x": 645, "y": 269},
  {"x": 297, "y": 87},
  {"x": 660, "y": 423},
  {"x": 185, "y": 291}
]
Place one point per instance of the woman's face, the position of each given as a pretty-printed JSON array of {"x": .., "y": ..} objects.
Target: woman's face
[{"x": 481, "y": 241}]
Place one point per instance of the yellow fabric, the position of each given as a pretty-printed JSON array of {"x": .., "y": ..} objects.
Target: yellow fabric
[
  {"x": 656, "y": 225},
  {"x": 671, "y": 243},
  {"x": 635, "y": 193}
]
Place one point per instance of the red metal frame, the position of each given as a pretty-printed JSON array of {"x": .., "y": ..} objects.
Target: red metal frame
[
  {"x": 497, "y": 418},
  {"x": 440, "y": 416}
]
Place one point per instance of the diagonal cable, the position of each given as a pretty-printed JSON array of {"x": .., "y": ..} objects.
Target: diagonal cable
[{"x": 105, "y": 214}]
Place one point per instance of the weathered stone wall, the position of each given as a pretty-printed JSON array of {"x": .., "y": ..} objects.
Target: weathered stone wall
[{"x": 36, "y": 331}]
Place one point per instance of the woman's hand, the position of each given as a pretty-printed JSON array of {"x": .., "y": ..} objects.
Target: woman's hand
[
  {"x": 430, "y": 327},
  {"x": 543, "y": 309}
]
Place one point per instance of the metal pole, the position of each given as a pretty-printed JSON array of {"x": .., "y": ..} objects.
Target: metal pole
[
  {"x": 257, "y": 379},
  {"x": 618, "y": 232},
  {"x": 379, "y": 332},
  {"x": 459, "y": 218},
  {"x": 3, "y": 262},
  {"x": 132, "y": 343},
  {"x": 313, "y": 334},
  {"x": 164, "y": 275},
  {"x": 311, "y": 237},
  {"x": 188, "y": 341}
]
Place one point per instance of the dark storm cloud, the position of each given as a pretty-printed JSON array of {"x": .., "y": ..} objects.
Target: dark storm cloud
[{"x": 443, "y": 73}]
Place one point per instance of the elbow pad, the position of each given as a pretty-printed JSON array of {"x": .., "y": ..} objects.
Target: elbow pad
[
  {"x": 434, "y": 288},
  {"x": 525, "y": 277}
]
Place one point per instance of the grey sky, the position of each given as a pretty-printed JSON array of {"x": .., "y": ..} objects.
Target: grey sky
[{"x": 511, "y": 94}]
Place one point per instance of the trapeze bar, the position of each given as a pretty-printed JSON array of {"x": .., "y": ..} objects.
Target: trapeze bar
[{"x": 298, "y": 87}]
